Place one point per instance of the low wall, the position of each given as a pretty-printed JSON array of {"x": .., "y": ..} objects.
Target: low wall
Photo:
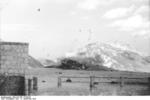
[
  {"x": 12, "y": 85},
  {"x": 18, "y": 85}
]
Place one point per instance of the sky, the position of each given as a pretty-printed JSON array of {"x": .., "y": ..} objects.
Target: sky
[{"x": 54, "y": 27}]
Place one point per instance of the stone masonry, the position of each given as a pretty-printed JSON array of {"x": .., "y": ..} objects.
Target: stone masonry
[{"x": 13, "y": 57}]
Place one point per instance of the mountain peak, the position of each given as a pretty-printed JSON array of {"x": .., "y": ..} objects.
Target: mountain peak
[{"x": 115, "y": 55}]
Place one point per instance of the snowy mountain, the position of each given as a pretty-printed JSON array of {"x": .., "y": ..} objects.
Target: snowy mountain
[{"x": 115, "y": 56}]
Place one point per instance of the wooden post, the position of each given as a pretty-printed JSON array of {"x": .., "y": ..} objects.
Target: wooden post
[
  {"x": 59, "y": 82},
  {"x": 91, "y": 83},
  {"x": 148, "y": 83},
  {"x": 121, "y": 82},
  {"x": 35, "y": 83}
]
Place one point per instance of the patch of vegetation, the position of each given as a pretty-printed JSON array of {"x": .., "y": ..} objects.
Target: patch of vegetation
[
  {"x": 72, "y": 64},
  {"x": 86, "y": 64}
]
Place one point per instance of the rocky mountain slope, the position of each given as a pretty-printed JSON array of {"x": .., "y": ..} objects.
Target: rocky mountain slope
[{"x": 114, "y": 56}]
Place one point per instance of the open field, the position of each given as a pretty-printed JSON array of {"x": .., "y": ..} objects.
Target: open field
[{"x": 48, "y": 82}]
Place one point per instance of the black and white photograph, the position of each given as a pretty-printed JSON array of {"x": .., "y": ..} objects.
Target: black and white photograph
[{"x": 74, "y": 48}]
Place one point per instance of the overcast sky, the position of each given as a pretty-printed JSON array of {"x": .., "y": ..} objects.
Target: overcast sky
[{"x": 54, "y": 27}]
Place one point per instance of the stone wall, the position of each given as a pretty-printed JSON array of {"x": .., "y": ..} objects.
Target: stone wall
[
  {"x": 13, "y": 57},
  {"x": 12, "y": 85}
]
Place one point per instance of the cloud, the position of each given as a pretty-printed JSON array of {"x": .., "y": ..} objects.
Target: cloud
[
  {"x": 89, "y": 4},
  {"x": 142, "y": 33},
  {"x": 130, "y": 19},
  {"x": 141, "y": 0},
  {"x": 136, "y": 21},
  {"x": 144, "y": 11},
  {"x": 144, "y": 8},
  {"x": 132, "y": 23},
  {"x": 126, "y": 11},
  {"x": 93, "y": 4},
  {"x": 119, "y": 12}
]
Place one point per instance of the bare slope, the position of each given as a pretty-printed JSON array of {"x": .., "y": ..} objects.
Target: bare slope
[{"x": 33, "y": 63}]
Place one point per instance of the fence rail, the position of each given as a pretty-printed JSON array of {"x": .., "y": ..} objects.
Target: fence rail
[
  {"x": 92, "y": 80},
  {"x": 104, "y": 77}
]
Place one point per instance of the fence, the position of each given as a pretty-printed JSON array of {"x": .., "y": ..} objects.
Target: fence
[{"x": 93, "y": 81}]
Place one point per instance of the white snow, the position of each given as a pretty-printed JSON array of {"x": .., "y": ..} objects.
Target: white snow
[{"x": 107, "y": 52}]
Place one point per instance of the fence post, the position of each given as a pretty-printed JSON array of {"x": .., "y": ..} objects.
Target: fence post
[
  {"x": 59, "y": 82},
  {"x": 149, "y": 83},
  {"x": 121, "y": 82},
  {"x": 35, "y": 83},
  {"x": 91, "y": 83}
]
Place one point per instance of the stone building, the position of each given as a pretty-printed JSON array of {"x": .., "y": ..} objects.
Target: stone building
[{"x": 13, "y": 57}]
